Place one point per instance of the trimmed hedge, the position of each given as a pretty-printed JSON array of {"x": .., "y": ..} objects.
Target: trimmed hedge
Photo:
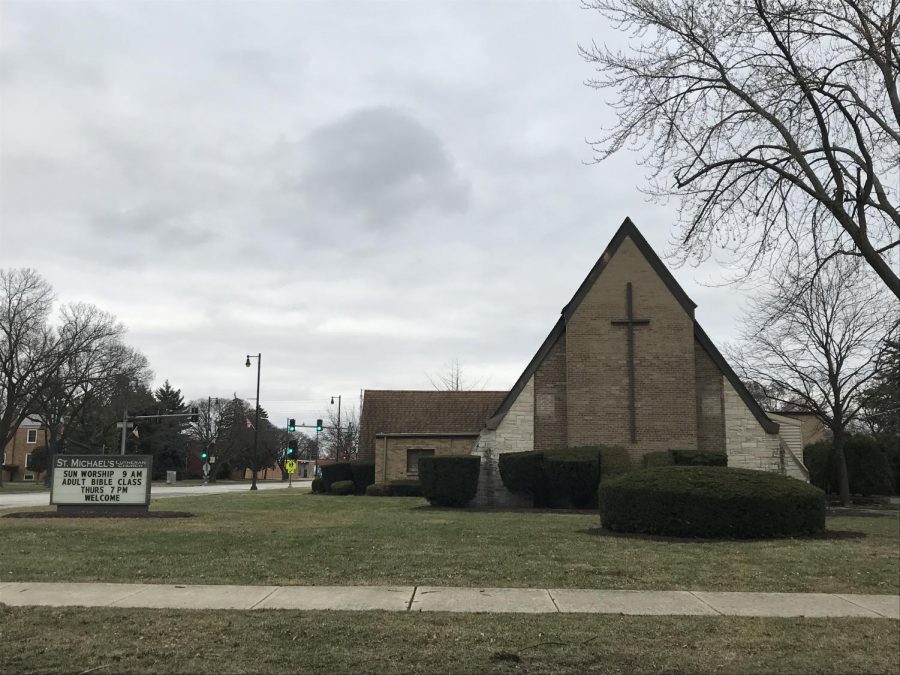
[
  {"x": 711, "y": 502},
  {"x": 699, "y": 458},
  {"x": 562, "y": 477},
  {"x": 332, "y": 473},
  {"x": 869, "y": 467},
  {"x": 342, "y": 487},
  {"x": 449, "y": 480},
  {"x": 523, "y": 473},
  {"x": 363, "y": 472},
  {"x": 662, "y": 458},
  {"x": 573, "y": 479},
  {"x": 614, "y": 461},
  {"x": 405, "y": 488},
  {"x": 378, "y": 490},
  {"x": 319, "y": 486}
]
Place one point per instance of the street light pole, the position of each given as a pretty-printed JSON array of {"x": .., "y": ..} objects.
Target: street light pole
[
  {"x": 258, "y": 358},
  {"x": 337, "y": 452}
]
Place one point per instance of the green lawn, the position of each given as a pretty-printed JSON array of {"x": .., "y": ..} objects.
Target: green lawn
[
  {"x": 47, "y": 640},
  {"x": 22, "y": 486},
  {"x": 287, "y": 537}
]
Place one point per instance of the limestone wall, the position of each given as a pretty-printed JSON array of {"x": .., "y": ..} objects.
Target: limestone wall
[
  {"x": 746, "y": 442},
  {"x": 514, "y": 434}
]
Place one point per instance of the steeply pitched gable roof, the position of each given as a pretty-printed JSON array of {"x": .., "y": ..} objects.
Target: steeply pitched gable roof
[
  {"x": 628, "y": 230},
  {"x": 425, "y": 412}
]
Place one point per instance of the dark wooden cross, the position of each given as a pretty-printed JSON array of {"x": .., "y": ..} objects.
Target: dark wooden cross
[{"x": 630, "y": 323}]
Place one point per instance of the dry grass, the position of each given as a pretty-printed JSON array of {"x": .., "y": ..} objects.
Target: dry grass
[
  {"x": 284, "y": 537},
  {"x": 46, "y": 640}
]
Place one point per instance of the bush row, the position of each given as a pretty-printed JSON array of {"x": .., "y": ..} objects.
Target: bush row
[
  {"x": 872, "y": 468},
  {"x": 698, "y": 501},
  {"x": 449, "y": 480},
  {"x": 395, "y": 488},
  {"x": 359, "y": 474},
  {"x": 684, "y": 458},
  {"x": 566, "y": 477}
]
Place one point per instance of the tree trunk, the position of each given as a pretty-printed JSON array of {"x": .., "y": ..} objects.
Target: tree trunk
[
  {"x": 53, "y": 441},
  {"x": 840, "y": 463}
]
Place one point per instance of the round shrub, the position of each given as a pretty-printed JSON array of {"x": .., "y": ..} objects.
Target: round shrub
[
  {"x": 573, "y": 479},
  {"x": 342, "y": 487},
  {"x": 363, "y": 472},
  {"x": 701, "y": 501},
  {"x": 449, "y": 480},
  {"x": 378, "y": 490},
  {"x": 699, "y": 458},
  {"x": 319, "y": 486},
  {"x": 522, "y": 472},
  {"x": 405, "y": 487},
  {"x": 332, "y": 473}
]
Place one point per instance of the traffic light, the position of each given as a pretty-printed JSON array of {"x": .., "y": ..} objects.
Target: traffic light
[
  {"x": 204, "y": 455},
  {"x": 319, "y": 425},
  {"x": 292, "y": 425},
  {"x": 292, "y": 448},
  {"x": 195, "y": 414}
]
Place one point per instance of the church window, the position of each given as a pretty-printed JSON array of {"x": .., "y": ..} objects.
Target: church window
[{"x": 412, "y": 458}]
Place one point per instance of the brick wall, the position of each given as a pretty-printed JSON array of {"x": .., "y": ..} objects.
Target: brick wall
[
  {"x": 390, "y": 452},
  {"x": 710, "y": 402},
  {"x": 514, "y": 434},
  {"x": 746, "y": 442},
  {"x": 550, "y": 399},
  {"x": 17, "y": 450},
  {"x": 596, "y": 362}
]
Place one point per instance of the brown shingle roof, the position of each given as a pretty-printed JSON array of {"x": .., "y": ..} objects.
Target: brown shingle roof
[{"x": 427, "y": 412}]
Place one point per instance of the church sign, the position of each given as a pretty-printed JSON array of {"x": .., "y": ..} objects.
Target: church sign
[{"x": 101, "y": 482}]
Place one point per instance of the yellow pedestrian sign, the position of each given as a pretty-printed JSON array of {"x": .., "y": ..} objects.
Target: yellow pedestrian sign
[{"x": 290, "y": 466}]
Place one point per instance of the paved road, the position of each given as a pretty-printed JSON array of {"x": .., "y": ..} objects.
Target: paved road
[
  {"x": 446, "y": 599},
  {"x": 26, "y": 499}
]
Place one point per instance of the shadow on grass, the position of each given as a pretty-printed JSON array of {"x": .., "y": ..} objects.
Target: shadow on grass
[
  {"x": 55, "y": 514},
  {"x": 827, "y": 535},
  {"x": 860, "y": 512},
  {"x": 508, "y": 509}
]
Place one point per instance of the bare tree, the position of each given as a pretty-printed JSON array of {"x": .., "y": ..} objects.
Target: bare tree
[
  {"x": 777, "y": 123},
  {"x": 818, "y": 349},
  {"x": 88, "y": 374},
  {"x": 33, "y": 354},
  {"x": 341, "y": 437},
  {"x": 210, "y": 411},
  {"x": 453, "y": 378}
]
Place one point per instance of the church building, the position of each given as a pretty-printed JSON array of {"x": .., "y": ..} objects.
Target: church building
[{"x": 626, "y": 364}]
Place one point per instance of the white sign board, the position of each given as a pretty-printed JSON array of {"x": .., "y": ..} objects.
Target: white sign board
[{"x": 101, "y": 480}]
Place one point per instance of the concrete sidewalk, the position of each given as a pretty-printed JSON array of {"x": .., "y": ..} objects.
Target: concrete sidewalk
[{"x": 449, "y": 599}]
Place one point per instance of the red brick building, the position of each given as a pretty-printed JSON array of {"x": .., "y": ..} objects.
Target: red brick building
[{"x": 30, "y": 435}]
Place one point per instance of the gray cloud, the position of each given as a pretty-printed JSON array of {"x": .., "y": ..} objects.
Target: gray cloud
[
  {"x": 361, "y": 192},
  {"x": 375, "y": 165}
]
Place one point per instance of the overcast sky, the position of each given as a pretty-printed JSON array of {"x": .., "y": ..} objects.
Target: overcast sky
[{"x": 362, "y": 192}]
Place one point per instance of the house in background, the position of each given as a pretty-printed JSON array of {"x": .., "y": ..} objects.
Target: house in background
[
  {"x": 398, "y": 427},
  {"x": 812, "y": 428},
  {"x": 30, "y": 435}
]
